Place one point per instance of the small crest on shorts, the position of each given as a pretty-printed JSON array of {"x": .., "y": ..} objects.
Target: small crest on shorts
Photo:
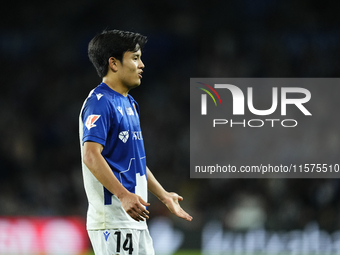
[{"x": 106, "y": 235}]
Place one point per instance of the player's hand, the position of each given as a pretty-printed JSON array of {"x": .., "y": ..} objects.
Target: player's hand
[
  {"x": 134, "y": 206},
  {"x": 172, "y": 202}
]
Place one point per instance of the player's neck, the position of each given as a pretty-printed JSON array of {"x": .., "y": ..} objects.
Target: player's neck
[{"x": 115, "y": 85}]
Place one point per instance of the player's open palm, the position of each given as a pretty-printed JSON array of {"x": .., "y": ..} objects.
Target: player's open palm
[
  {"x": 172, "y": 202},
  {"x": 134, "y": 206}
]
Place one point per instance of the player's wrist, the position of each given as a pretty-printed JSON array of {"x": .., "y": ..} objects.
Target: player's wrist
[
  {"x": 164, "y": 197},
  {"x": 122, "y": 193}
]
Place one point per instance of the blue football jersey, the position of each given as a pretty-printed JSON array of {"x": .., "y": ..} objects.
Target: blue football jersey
[{"x": 112, "y": 120}]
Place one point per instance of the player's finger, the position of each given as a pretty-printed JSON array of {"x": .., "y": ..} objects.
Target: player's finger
[
  {"x": 180, "y": 198},
  {"x": 143, "y": 212},
  {"x": 136, "y": 216},
  {"x": 143, "y": 202},
  {"x": 133, "y": 215},
  {"x": 139, "y": 208},
  {"x": 187, "y": 217},
  {"x": 184, "y": 215}
]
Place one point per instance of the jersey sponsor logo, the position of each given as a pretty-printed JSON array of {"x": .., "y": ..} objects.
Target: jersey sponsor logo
[
  {"x": 129, "y": 111},
  {"x": 99, "y": 95},
  {"x": 91, "y": 120},
  {"x": 124, "y": 136},
  {"x": 120, "y": 109},
  {"x": 137, "y": 135}
]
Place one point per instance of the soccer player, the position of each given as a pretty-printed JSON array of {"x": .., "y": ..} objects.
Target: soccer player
[{"x": 115, "y": 174}]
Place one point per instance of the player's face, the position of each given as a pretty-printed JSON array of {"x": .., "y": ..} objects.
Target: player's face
[{"x": 131, "y": 69}]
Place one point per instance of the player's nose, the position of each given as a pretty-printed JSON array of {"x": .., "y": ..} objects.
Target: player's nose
[{"x": 141, "y": 64}]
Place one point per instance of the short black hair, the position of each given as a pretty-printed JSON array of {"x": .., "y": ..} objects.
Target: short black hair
[{"x": 113, "y": 43}]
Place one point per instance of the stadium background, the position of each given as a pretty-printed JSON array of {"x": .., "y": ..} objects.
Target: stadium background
[{"x": 46, "y": 75}]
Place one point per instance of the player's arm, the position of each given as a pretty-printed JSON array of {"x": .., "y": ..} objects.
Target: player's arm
[
  {"x": 170, "y": 199},
  {"x": 132, "y": 203}
]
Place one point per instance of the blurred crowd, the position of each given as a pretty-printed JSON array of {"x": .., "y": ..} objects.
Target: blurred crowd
[{"x": 46, "y": 76}]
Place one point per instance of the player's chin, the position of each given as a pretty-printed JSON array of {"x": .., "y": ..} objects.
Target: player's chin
[{"x": 135, "y": 85}]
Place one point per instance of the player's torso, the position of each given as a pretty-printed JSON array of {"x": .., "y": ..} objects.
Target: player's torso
[{"x": 123, "y": 151}]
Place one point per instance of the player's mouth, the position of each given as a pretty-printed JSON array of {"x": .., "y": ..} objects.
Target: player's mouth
[{"x": 140, "y": 75}]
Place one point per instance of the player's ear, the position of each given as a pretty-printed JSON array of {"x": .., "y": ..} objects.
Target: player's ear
[{"x": 113, "y": 64}]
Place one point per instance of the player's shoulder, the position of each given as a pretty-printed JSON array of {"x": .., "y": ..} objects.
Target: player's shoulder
[
  {"x": 99, "y": 93},
  {"x": 99, "y": 96},
  {"x": 98, "y": 100}
]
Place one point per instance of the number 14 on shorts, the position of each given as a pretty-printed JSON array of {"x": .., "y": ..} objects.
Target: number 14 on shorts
[
  {"x": 121, "y": 241},
  {"x": 127, "y": 245}
]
